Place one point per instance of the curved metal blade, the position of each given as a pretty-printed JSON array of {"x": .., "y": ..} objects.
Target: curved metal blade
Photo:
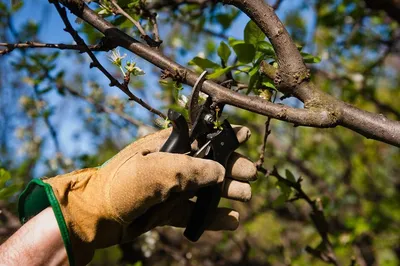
[{"x": 194, "y": 107}]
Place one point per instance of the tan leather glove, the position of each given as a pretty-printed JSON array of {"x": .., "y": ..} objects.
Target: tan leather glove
[{"x": 137, "y": 190}]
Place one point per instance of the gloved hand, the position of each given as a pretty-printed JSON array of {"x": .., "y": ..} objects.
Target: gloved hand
[{"x": 138, "y": 189}]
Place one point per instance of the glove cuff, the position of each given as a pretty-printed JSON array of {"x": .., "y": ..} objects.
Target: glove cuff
[{"x": 36, "y": 197}]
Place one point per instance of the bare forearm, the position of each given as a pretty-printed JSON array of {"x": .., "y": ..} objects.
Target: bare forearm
[{"x": 38, "y": 242}]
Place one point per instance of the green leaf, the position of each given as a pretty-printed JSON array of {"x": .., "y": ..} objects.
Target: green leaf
[
  {"x": 134, "y": 4},
  {"x": 252, "y": 33},
  {"x": 290, "y": 176},
  {"x": 4, "y": 177},
  {"x": 232, "y": 41},
  {"x": 7, "y": 192},
  {"x": 177, "y": 88},
  {"x": 203, "y": 63},
  {"x": 224, "y": 51},
  {"x": 266, "y": 48},
  {"x": 253, "y": 82},
  {"x": 225, "y": 20},
  {"x": 310, "y": 59},
  {"x": 245, "y": 52},
  {"x": 254, "y": 75},
  {"x": 268, "y": 83},
  {"x": 219, "y": 72},
  {"x": 285, "y": 189}
]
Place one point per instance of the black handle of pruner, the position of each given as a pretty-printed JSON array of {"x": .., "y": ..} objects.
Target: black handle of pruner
[
  {"x": 208, "y": 197},
  {"x": 178, "y": 141}
]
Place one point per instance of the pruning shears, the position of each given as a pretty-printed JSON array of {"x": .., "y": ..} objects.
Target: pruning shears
[{"x": 216, "y": 141}]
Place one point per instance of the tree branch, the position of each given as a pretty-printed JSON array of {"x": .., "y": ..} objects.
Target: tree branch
[
  {"x": 11, "y": 46},
  {"x": 144, "y": 35},
  {"x": 277, "y": 4},
  {"x": 293, "y": 77},
  {"x": 321, "y": 110},
  {"x": 292, "y": 70}
]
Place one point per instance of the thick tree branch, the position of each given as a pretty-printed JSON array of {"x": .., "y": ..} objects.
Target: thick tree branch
[
  {"x": 292, "y": 69},
  {"x": 321, "y": 110},
  {"x": 293, "y": 74},
  {"x": 220, "y": 94}
]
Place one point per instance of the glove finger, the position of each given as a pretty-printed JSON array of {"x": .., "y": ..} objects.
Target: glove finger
[
  {"x": 236, "y": 190},
  {"x": 176, "y": 212},
  {"x": 178, "y": 172},
  {"x": 147, "y": 179},
  {"x": 242, "y": 133},
  {"x": 241, "y": 168},
  {"x": 225, "y": 218}
]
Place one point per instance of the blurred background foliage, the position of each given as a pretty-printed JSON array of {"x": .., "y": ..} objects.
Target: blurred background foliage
[{"x": 57, "y": 115}]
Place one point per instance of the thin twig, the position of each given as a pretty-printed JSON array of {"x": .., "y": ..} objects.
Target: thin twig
[
  {"x": 153, "y": 20},
  {"x": 267, "y": 132},
  {"x": 153, "y": 43},
  {"x": 102, "y": 108},
  {"x": 11, "y": 46},
  {"x": 97, "y": 64},
  {"x": 325, "y": 252},
  {"x": 152, "y": 16},
  {"x": 99, "y": 107},
  {"x": 277, "y": 4}
]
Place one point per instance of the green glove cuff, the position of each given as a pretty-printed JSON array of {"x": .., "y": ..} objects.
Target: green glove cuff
[{"x": 38, "y": 196}]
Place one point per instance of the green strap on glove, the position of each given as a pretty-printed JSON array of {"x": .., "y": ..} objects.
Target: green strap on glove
[{"x": 36, "y": 197}]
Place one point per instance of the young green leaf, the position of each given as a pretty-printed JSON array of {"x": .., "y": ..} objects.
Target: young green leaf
[
  {"x": 4, "y": 177},
  {"x": 219, "y": 72},
  {"x": 224, "y": 52},
  {"x": 268, "y": 83},
  {"x": 290, "y": 176},
  {"x": 266, "y": 48},
  {"x": 310, "y": 59},
  {"x": 285, "y": 189},
  {"x": 254, "y": 80},
  {"x": 203, "y": 63},
  {"x": 245, "y": 52},
  {"x": 232, "y": 41},
  {"x": 252, "y": 33}
]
